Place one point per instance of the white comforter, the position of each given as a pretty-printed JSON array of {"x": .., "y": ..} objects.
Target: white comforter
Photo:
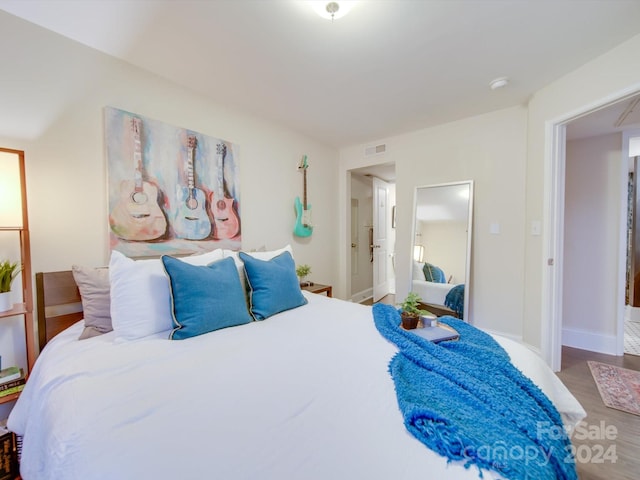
[
  {"x": 302, "y": 395},
  {"x": 431, "y": 292}
]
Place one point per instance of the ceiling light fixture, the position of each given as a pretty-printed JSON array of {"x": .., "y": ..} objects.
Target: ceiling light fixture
[
  {"x": 331, "y": 10},
  {"x": 499, "y": 83}
]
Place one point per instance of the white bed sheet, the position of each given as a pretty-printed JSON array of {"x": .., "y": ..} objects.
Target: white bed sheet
[
  {"x": 432, "y": 292},
  {"x": 305, "y": 394}
]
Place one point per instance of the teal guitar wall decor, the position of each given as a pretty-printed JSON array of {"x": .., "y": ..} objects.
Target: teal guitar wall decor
[{"x": 303, "y": 227}]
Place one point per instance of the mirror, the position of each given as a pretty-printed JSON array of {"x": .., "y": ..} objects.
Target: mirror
[{"x": 442, "y": 247}]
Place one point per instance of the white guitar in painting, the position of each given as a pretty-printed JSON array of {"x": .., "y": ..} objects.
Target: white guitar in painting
[{"x": 137, "y": 215}]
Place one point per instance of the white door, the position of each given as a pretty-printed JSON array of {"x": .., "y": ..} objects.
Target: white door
[{"x": 379, "y": 244}]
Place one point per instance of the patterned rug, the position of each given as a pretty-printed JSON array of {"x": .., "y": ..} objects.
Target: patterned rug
[{"x": 618, "y": 387}]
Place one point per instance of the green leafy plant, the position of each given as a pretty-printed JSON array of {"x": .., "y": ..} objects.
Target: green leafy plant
[
  {"x": 411, "y": 305},
  {"x": 303, "y": 270},
  {"x": 8, "y": 272},
  {"x": 411, "y": 311}
]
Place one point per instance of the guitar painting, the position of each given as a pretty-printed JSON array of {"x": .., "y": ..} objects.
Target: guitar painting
[
  {"x": 176, "y": 200},
  {"x": 137, "y": 215},
  {"x": 226, "y": 223},
  {"x": 191, "y": 220},
  {"x": 303, "y": 227}
]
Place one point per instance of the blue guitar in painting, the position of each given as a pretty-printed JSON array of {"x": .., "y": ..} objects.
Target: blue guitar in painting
[
  {"x": 303, "y": 227},
  {"x": 191, "y": 221}
]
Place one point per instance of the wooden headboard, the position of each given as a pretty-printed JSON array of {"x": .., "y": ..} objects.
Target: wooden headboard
[{"x": 59, "y": 304}]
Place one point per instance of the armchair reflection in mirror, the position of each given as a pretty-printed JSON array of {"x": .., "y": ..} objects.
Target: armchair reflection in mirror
[{"x": 442, "y": 247}]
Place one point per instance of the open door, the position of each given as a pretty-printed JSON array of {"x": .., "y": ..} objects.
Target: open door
[{"x": 379, "y": 245}]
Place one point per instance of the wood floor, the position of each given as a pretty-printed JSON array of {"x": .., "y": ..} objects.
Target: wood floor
[
  {"x": 389, "y": 299},
  {"x": 597, "y": 458},
  {"x": 592, "y": 460}
]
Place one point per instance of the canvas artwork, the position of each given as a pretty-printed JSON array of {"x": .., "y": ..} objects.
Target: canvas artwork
[{"x": 171, "y": 190}]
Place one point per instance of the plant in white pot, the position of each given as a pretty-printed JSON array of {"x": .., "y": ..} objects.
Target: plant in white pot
[{"x": 8, "y": 273}]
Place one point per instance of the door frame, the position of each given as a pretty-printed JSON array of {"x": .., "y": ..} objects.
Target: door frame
[
  {"x": 343, "y": 287},
  {"x": 553, "y": 234}
]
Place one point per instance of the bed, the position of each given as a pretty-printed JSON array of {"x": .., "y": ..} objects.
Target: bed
[
  {"x": 438, "y": 295},
  {"x": 305, "y": 393},
  {"x": 432, "y": 292}
]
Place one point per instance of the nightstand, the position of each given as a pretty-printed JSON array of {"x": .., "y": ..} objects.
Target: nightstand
[
  {"x": 319, "y": 288},
  {"x": 438, "y": 310}
]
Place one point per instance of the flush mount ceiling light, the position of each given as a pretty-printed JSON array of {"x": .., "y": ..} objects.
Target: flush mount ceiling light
[
  {"x": 331, "y": 10},
  {"x": 499, "y": 83}
]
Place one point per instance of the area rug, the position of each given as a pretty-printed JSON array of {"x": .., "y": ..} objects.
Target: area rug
[{"x": 618, "y": 387}]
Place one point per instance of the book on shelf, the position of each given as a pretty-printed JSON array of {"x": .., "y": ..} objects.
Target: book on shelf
[
  {"x": 8, "y": 455},
  {"x": 13, "y": 383},
  {"x": 12, "y": 390},
  {"x": 10, "y": 373}
]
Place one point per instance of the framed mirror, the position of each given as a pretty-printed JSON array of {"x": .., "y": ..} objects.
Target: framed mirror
[{"x": 441, "y": 247}]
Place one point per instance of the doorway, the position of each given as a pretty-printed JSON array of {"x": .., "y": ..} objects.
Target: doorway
[
  {"x": 372, "y": 237},
  {"x": 596, "y": 131}
]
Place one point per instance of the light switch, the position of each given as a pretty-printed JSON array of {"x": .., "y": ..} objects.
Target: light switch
[
  {"x": 536, "y": 227},
  {"x": 494, "y": 228}
]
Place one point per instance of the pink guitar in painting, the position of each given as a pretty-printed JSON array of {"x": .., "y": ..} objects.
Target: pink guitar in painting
[
  {"x": 226, "y": 223},
  {"x": 191, "y": 220},
  {"x": 137, "y": 215}
]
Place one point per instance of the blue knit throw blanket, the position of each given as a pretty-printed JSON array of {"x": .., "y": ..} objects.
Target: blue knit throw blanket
[
  {"x": 455, "y": 300},
  {"x": 466, "y": 401}
]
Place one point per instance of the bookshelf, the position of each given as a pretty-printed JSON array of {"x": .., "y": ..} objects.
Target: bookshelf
[{"x": 16, "y": 225}]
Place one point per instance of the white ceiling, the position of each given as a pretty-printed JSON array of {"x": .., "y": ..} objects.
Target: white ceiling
[
  {"x": 388, "y": 67},
  {"x": 618, "y": 117}
]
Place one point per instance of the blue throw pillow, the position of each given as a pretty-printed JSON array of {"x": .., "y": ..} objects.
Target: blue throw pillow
[
  {"x": 273, "y": 284},
  {"x": 204, "y": 298},
  {"x": 433, "y": 273}
]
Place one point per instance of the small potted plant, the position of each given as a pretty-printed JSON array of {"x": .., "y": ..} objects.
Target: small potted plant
[
  {"x": 8, "y": 272},
  {"x": 410, "y": 311},
  {"x": 302, "y": 271}
]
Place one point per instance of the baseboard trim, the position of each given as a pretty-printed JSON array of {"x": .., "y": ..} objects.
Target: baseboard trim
[
  {"x": 632, "y": 314},
  {"x": 586, "y": 340},
  {"x": 362, "y": 296}
]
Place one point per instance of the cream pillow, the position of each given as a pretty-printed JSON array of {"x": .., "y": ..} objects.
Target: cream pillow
[
  {"x": 418, "y": 272},
  {"x": 140, "y": 294}
]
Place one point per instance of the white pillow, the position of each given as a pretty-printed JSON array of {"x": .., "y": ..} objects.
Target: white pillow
[
  {"x": 259, "y": 255},
  {"x": 418, "y": 272},
  {"x": 140, "y": 295}
]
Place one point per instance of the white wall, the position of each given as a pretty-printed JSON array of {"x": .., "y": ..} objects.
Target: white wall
[
  {"x": 591, "y": 228},
  {"x": 52, "y": 98},
  {"x": 491, "y": 150},
  {"x": 598, "y": 82},
  {"x": 444, "y": 242},
  {"x": 54, "y": 108}
]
